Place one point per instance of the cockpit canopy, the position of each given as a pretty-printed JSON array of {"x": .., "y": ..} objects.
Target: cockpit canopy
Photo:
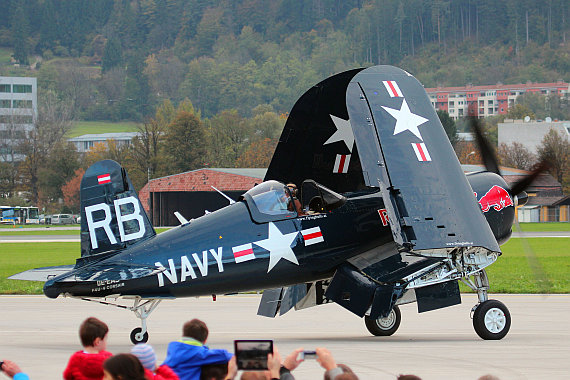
[{"x": 272, "y": 200}]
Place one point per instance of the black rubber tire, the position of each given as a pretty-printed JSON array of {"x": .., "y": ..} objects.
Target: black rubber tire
[
  {"x": 491, "y": 320},
  {"x": 384, "y": 326},
  {"x": 137, "y": 331}
]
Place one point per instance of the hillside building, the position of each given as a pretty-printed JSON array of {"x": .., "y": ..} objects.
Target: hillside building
[
  {"x": 489, "y": 100},
  {"x": 18, "y": 110},
  {"x": 85, "y": 142}
]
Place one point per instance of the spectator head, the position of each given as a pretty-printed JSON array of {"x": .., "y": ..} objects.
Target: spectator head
[
  {"x": 409, "y": 377},
  {"x": 346, "y": 376},
  {"x": 488, "y": 377},
  {"x": 216, "y": 371},
  {"x": 254, "y": 375},
  {"x": 145, "y": 353},
  {"x": 345, "y": 369},
  {"x": 92, "y": 329},
  {"x": 195, "y": 329},
  {"x": 123, "y": 367}
]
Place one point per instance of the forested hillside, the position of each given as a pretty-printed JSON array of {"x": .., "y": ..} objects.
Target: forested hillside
[{"x": 118, "y": 59}]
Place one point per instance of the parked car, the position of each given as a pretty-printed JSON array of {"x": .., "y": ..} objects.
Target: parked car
[
  {"x": 62, "y": 219},
  {"x": 45, "y": 219}
]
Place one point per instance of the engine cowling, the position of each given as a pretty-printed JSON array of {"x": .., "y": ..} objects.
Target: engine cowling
[{"x": 497, "y": 204}]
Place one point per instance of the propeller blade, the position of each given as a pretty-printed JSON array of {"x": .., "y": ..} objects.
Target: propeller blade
[
  {"x": 525, "y": 182},
  {"x": 487, "y": 151}
]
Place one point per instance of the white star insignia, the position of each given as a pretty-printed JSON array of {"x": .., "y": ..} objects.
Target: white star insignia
[
  {"x": 406, "y": 120},
  {"x": 278, "y": 245},
  {"x": 343, "y": 132}
]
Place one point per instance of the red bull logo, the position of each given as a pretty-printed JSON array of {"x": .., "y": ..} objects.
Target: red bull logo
[{"x": 497, "y": 197}]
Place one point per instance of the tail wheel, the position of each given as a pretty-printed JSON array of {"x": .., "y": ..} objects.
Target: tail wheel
[
  {"x": 491, "y": 320},
  {"x": 384, "y": 326},
  {"x": 137, "y": 337}
]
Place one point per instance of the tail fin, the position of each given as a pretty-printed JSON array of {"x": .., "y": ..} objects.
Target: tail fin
[{"x": 112, "y": 216}]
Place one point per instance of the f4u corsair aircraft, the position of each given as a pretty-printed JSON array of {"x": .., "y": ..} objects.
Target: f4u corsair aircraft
[{"x": 386, "y": 217}]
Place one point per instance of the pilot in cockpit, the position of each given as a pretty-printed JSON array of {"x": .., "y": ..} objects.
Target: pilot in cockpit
[{"x": 295, "y": 205}]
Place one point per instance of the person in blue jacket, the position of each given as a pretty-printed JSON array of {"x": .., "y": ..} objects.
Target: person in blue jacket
[
  {"x": 12, "y": 370},
  {"x": 187, "y": 355}
]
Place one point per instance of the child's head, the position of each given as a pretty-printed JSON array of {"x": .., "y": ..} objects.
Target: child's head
[
  {"x": 195, "y": 329},
  {"x": 93, "y": 332},
  {"x": 123, "y": 367},
  {"x": 145, "y": 353}
]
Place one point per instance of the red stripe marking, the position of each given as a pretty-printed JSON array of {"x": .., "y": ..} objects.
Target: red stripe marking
[
  {"x": 394, "y": 92},
  {"x": 243, "y": 253},
  {"x": 313, "y": 235},
  {"x": 419, "y": 146},
  {"x": 341, "y": 163}
]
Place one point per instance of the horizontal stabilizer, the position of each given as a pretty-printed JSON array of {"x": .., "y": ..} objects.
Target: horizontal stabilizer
[
  {"x": 42, "y": 274},
  {"x": 118, "y": 271}
]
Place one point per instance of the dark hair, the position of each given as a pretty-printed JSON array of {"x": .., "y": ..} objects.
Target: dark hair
[
  {"x": 195, "y": 329},
  {"x": 91, "y": 329},
  {"x": 217, "y": 371},
  {"x": 124, "y": 367},
  {"x": 346, "y": 376},
  {"x": 408, "y": 377},
  {"x": 343, "y": 367}
]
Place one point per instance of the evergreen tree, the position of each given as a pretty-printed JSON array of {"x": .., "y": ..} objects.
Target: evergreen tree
[
  {"x": 20, "y": 34},
  {"x": 112, "y": 55}
]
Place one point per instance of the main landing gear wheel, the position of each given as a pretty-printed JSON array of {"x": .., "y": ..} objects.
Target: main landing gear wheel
[
  {"x": 491, "y": 320},
  {"x": 138, "y": 337},
  {"x": 384, "y": 326}
]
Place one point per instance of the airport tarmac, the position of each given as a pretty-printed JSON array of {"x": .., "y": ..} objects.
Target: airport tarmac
[{"x": 40, "y": 334}]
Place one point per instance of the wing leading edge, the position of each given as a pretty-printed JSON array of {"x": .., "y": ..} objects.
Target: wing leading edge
[{"x": 404, "y": 150}]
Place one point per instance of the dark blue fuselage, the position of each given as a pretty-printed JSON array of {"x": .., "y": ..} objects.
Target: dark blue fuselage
[{"x": 199, "y": 258}]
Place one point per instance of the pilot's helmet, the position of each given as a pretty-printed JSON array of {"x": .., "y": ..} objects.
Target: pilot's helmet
[{"x": 293, "y": 188}]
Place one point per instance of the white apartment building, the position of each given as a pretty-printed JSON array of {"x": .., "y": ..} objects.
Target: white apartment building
[{"x": 18, "y": 110}]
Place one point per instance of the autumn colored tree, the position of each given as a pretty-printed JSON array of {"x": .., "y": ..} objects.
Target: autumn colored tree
[
  {"x": 515, "y": 155},
  {"x": 555, "y": 148},
  {"x": 258, "y": 154},
  {"x": 109, "y": 150},
  {"x": 467, "y": 153},
  {"x": 70, "y": 190}
]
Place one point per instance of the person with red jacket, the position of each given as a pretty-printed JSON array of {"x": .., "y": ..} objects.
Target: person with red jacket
[
  {"x": 87, "y": 364},
  {"x": 145, "y": 353}
]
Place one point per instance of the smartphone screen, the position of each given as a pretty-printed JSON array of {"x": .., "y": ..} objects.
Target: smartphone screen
[{"x": 251, "y": 355}]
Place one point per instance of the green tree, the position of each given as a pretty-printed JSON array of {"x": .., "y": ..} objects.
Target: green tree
[
  {"x": 20, "y": 34},
  {"x": 63, "y": 161},
  {"x": 449, "y": 126},
  {"x": 229, "y": 134},
  {"x": 184, "y": 143},
  {"x": 520, "y": 111}
]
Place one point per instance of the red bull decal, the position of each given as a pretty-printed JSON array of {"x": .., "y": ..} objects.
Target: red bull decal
[{"x": 497, "y": 197}]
